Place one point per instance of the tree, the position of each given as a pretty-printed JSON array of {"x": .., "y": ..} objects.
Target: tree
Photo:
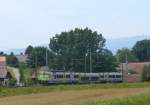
[
  {"x": 21, "y": 70},
  {"x": 146, "y": 73},
  {"x": 2, "y": 53},
  {"x": 104, "y": 62},
  {"x": 38, "y": 57},
  {"x": 71, "y": 47},
  {"x": 28, "y": 50},
  {"x": 12, "y": 60},
  {"x": 125, "y": 54},
  {"x": 142, "y": 50}
]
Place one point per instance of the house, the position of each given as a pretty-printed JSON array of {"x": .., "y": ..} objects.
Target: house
[
  {"x": 22, "y": 58},
  {"x": 3, "y": 69},
  {"x": 13, "y": 73},
  {"x": 132, "y": 72},
  {"x": 7, "y": 73}
]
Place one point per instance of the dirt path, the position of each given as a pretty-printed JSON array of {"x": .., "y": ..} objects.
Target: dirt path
[{"x": 71, "y": 97}]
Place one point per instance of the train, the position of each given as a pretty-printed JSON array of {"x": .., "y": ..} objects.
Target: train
[{"x": 61, "y": 77}]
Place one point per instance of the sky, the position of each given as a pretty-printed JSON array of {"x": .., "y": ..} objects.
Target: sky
[{"x": 33, "y": 22}]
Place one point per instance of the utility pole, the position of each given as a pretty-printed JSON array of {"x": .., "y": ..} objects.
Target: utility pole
[
  {"x": 85, "y": 64},
  {"x": 90, "y": 63},
  {"x": 36, "y": 60},
  {"x": 36, "y": 64},
  {"x": 122, "y": 72},
  {"x": 46, "y": 59},
  {"x": 126, "y": 62}
]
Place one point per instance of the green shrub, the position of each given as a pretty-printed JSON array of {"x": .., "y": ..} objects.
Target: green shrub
[
  {"x": 132, "y": 72},
  {"x": 25, "y": 75},
  {"x": 146, "y": 73},
  {"x": 12, "y": 82}
]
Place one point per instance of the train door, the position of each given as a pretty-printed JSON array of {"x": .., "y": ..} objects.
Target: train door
[{"x": 106, "y": 77}]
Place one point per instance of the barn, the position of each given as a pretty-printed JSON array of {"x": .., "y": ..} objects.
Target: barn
[
  {"x": 132, "y": 72},
  {"x": 3, "y": 69}
]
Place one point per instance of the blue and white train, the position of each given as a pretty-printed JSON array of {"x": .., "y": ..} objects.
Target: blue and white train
[{"x": 61, "y": 77}]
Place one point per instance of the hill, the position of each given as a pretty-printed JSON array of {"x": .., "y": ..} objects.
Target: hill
[
  {"x": 128, "y": 42},
  {"x": 14, "y": 50},
  {"x": 112, "y": 44}
]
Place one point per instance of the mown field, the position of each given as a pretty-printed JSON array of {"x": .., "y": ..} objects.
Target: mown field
[
  {"x": 90, "y": 94},
  {"x": 134, "y": 100}
]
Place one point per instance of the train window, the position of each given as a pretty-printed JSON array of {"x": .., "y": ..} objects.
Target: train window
[
  {"x": 67, "y": 76},
  {"x": 118, "y": 76},
  {"x": 102, "y": 76},
  {"x": 94, "y": 78},
  {"x": 59, "y": 76},
  {"x": 84, "y": 78},
  {"x": 76, "y": 76},
  {"x": 111, "y": 76}
]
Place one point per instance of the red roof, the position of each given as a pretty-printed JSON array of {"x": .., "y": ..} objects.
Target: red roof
[{"x": 2, "y": 59}]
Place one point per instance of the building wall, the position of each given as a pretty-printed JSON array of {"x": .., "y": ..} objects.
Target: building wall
[
  {"x": 137, "y": 67},
  {"x": 22, "y": 58},
  {"x": 3, "y": 70}
]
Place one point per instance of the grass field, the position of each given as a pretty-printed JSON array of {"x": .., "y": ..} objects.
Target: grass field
[
  {"x": 92, "y": 94},
  {"x": 44, "y": 89},
  {"x": 134, "y": 100}
]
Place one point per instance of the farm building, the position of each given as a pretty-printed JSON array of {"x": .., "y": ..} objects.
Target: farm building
[
  {"x": 132, "y": 72},
  {"x": 3, "y": 69},
  {"x": 22, "y": 58},
  {"x": 7, "y": 73}
]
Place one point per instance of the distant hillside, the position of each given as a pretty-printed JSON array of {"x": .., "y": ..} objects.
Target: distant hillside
[
  {"x": 18, "y": 50},
  {"x": 15, "y": 50},
  {"x": 128, "y": 42}
]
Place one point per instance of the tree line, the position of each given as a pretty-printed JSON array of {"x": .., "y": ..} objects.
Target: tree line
[
  {"x": 70, "y": 51},
  {"x": 139, "y": 53},
  {"x": 79, "y": 50},
  {"x": 76, "y": 50}
]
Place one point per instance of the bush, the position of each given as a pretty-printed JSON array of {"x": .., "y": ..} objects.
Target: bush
[
  {"x": 25, "y": 75},
  {"x": 132, "y": 72},
  {"x": 12, "y": 82}
]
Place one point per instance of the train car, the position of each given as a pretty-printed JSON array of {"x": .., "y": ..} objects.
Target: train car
[{"x": 60, "y": 77}]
